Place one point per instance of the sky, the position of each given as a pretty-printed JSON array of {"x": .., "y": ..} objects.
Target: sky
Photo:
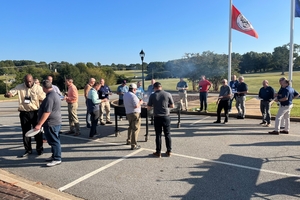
[{"x": 115, "y": 31}]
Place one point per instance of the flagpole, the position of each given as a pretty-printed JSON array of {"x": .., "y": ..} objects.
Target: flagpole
[
  {"x": 229, "y": 41},
  {"x": 291, "y": 57}
]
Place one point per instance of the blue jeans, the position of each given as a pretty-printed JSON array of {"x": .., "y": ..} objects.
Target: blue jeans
[
  {"x": 162, "y": 123},
  {"x": 53, "y": 139},
  {"x": 203, "y": 100}
]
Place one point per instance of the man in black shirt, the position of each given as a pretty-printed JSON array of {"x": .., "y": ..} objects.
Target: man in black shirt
[
  {"x": 241, "y": 92},
  {"x": 266, "y": 95}
]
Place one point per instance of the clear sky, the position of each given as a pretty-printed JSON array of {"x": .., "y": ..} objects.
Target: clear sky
[{"x": 115, "y": 31}]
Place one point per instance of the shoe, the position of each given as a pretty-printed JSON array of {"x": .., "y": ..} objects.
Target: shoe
[
  {"x": 108, "y": 122},
  {"x": 77, "y": 134},
  {"x": 26, "y": 154},
  {"x": 93, "y": 137},
  {"x": 267, "y": 125},
  {"x": 135, "y": 147},
  {"x": 53, "y": 163},
  {"x": 262, "y": 123},
  {"x": 50, "y": 159},
  {"x": 69, "y": 133},
  {"x": 40, "y": 153},
  {"x": 225, "y": 122},
  {"x": 217, "y": 122},
  {"x": 157, "y": 154},
  {"x": 168, "y": 153},
  {"x": 284, "y": 132},
  {"x": 102, "y": 123},
  {"x": 205, "y": 111},
  {"x": 274, "y": 132},
  {"x": 88, "y": 125},
  {"x": 229, "y": 111},
  {"x": 128, "y": 142}
]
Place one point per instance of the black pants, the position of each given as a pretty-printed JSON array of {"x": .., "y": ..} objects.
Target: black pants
[
  {"x": 94, "y": 119},
  {"x": 223, "y": 105},
  {"x": 28, "y": 121},
  {"x": 162, "y": 123}
]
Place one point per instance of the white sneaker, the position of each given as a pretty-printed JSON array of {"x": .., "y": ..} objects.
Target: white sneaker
[{"x": 53, "y": 163}]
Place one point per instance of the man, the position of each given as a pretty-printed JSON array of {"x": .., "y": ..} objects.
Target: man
[
  {"x": 150, "y": 89},
  {"x": 223, "y": 101},
  {"x": 241, "y": 92},
  {"x": 266, "y": 94},
  {"x": 182, "y": 87},
  {"x": 30, "y": 95},
  {"x": 161, "y": 101},
  {"x": 140, "y": 91},
  {"x": 203, "y": 86},
  {"x": 49, "y": 116},
  {"x": 86, "y": 90},
  {"x": 121, "y": 90},
  {"x": 233, "y": 85},
  {"x": 104, "y": 93},
  {"x": 55, "y": 88},
  {"x": 285, "y": 97},
  {"x": 72, "y": 100},
  {"x": 93, "y": 108},
  {"x": 132, "y": 106}
]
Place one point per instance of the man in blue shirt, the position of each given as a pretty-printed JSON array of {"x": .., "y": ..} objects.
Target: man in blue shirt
[
  {"x": 104, "y": 93},
  {"x": 266, "y": 95},
  {"x": 285, "y": 97},
  {"x": 233, "y": 85},
  {"x": 139, "y": 91}
]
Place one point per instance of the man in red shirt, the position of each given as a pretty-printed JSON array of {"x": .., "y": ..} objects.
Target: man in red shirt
[{"x": 204, "y": 86}]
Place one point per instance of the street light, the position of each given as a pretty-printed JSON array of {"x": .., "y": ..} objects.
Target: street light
[{"x": 142, "y": 54}]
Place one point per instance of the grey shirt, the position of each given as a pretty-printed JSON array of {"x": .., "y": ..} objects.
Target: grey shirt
[
  {"x": 160, "y": 101},
  {"x": 52, "y": 104},
  {"x": 225, "y": 90}
]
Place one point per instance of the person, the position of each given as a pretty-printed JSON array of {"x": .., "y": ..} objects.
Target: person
[
  {"x": 121, "y": 90},
  {"x": 223, "y": 101},
  {"x": 233, "y": 85},
  {"x": 132, "y": 106},
  {"x": 150, "y": 89},
  {"x": 182, "y": 87},
  {"x": 86, "y": 90},
  {"x": 203, "y": 86},
  {"x": 71, "y": 98},
  {"x": 161, "y": 101},
  {"x": 140, "y": 91},
  {"x": 49, "y": 117},
  {"x": 266, "y": 96},
  {"x": 55, "y": 88},
  {"x": 241, "y": 92},
  {"x": 37, "y": 81},
  {"x": 285, "y": 97},
  {"x": 104, "y": 93},
  {"x": 30, "y": 95},
  {"x": 93, "y": 108}
]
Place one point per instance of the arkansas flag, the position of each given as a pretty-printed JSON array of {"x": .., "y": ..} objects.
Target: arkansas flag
[{"x": 240, "y": 23}]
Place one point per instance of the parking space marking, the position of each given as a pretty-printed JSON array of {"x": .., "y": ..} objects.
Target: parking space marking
[
  {"x": 97, "y": 171},
  {"x": 233, "y": 165},
  {"x": 199, "y": 120}
]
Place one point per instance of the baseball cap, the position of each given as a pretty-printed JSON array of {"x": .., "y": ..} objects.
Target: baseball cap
[
  {"x": 157, "y": 84},
  {"x": 133, "y": 86},
  {"x": 124, "y": 82}
]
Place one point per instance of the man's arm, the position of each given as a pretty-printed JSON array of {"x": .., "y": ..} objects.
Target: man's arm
[{"x": 42, "y": 120}]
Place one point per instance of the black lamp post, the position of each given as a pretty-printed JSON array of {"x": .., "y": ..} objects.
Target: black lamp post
[{"x": 142, "y": 54}]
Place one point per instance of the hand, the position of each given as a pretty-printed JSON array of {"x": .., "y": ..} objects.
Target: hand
[
  {"x": 7, "y": 95},
  {"x": 141, "y": 102},
  {"x": 104, "y": 100},
  {"x": 37, "y": 127}
]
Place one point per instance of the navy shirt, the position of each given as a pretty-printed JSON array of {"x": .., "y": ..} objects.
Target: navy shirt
[
  {"x": 103, "y": 92},
  {"x": 241, "y": 87},
  {"x": 233, "y": 85},
  {"x": 288, "y": 92},
  {"x": 266, "y": 94}
]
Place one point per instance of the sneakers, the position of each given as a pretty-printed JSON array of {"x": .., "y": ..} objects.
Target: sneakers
[
  {"x": 274, "y": 133},
  {"x": 168, "y": 153},
  {"x": 108, "y": 122},
  {"x": 53, "y": 163},
  {"x": 135, "y": 147},
  {"x": 157, "y": 154}
]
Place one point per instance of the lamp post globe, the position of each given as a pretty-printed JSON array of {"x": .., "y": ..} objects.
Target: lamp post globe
[{"x": 142, "y": 55}]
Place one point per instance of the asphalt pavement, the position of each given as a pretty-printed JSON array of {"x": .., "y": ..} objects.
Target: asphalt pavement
[{"x": 238, "y": 160}]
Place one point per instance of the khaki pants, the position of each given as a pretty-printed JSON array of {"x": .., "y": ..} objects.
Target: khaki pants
[
  {"x": 283, "y": 114},
  {"x": 134, "y": 120},
  {"x": 105, "y": 107},
  {"x": 183, "y": 97},
  {"x": 73, "y": 118}
]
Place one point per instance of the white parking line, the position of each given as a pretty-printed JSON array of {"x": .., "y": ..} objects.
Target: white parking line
[
  {"x": 97, "y": 171},
  {"x": 199, "y": 120}
]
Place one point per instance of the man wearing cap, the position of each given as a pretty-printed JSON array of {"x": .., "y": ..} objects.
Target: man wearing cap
[
  {"x": 121, "y": 90},
  {"x": 132, "y": 106},
  {"x": 30, "y": 95},
  {"x": 161, "y": 101},
  {"x": 49, "y": 116}
]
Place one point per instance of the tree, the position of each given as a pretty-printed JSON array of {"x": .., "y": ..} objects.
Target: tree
[{"x": 281, "y": 58}]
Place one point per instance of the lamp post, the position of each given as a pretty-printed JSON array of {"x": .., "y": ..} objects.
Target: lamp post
[{"x": 142, "y": 54}]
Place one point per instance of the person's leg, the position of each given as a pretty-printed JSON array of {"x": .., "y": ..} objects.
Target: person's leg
[
  {"x": 94, "y": 124},
  {"x": 38, "y": 137},
  {"x": 101, "y": 108},
  {"x": 53, "y": 139},
  {"x": 130, "y": 118},
  {"x": 219, "y": 109},
  {"x": 71, "y": 122},
  {"x": 243, "y": 107},
  {"x": 166, "y": 127},
  {"x": 268, "y": 112},
  {"x": 74, "y": 117},
  {"x": 26, "y": 126},
  {"x": 185, "y": 100},
  {"x": 279, "y": 116},
  {"x": 201, "y": 100},
  {"x": 287, "y": 118},
  {"x": 263, "y": 111},
  {"x": 180, "y": 100},
  {"x": 158, "y": 132},
  {"x": 87, "y": 117},
  {"x": 136, "y": 122},
  {"x": 107, "y": 110},
  {"x": 237, "y": 105},
  {"x": 205, "y": 100},
  {"x": 225, "y": 106},
  {"x": 230, "y": 104}
]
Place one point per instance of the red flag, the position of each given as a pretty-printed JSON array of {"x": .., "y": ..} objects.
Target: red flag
[{"x": 240, "y": 23}]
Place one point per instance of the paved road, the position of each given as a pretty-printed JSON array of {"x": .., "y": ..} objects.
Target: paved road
[{"x": 238, "y": 160}]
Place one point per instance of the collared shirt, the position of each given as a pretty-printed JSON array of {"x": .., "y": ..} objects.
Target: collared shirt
[
  {"x": 266, "y": 94},
  {"x": 72, "y": 94},
  {"x": 131, "y": 102},
  {"x": 233, "y": 85},
  {"x": 103, "y": 92},
  {"x": 289, "y": 93},
  {"x": 241, "y": 87},
  {"x": 182, "y": 84},
  {"x": 204, "y": 85},
  {"x": 35, "y": 94},
  {"x": 225, "y": 90},
  {"x": 122, "y": 89},
  {"x": 93, "y": 101}
]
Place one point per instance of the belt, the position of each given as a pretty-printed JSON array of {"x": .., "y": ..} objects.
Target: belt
[{"x": 285, "y": 105}]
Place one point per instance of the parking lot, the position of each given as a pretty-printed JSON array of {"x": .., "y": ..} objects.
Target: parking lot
[{"x": 238, "y": 160}]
